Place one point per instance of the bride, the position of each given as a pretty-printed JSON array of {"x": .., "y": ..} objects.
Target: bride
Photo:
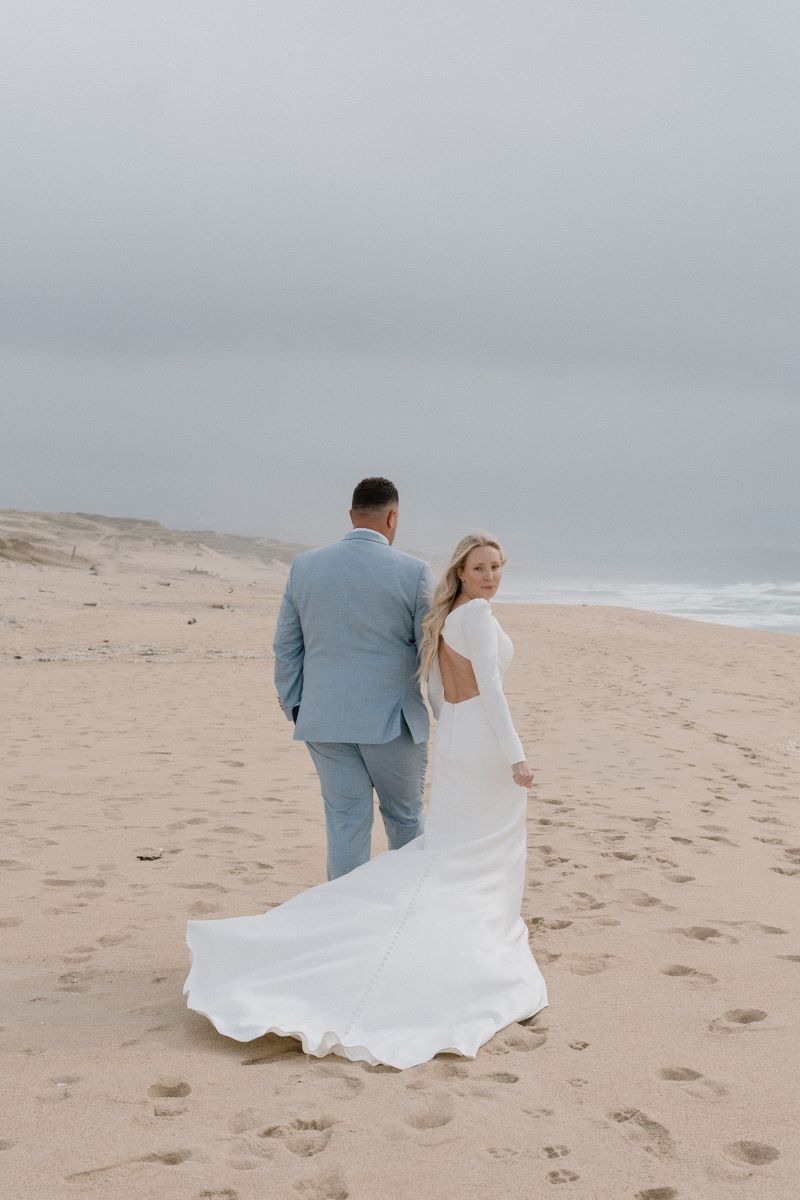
[{"x": 421, "y": 950}]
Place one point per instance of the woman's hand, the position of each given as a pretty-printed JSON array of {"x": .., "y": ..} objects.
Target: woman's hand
[{"x": 523, "y": 776}]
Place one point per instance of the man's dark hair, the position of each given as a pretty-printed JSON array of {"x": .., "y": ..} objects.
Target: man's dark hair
[{"x": 374, "y": 494}]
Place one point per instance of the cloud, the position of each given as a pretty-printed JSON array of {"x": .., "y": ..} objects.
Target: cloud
[{"x": 538, "y": 258}]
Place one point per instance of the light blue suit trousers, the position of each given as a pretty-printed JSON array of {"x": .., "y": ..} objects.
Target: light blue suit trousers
[{"x": 348, "y": 773}]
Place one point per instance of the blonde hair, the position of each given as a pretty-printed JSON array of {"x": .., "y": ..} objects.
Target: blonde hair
[{"x": 445, "y": 595}]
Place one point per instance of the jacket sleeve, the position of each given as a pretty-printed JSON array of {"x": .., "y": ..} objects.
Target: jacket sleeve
[
  {"x": 480, "y": 632},
  {"x": 289, "y": 650}
]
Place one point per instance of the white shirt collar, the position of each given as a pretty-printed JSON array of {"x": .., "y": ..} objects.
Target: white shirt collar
[{"x": 372, "y": 531}]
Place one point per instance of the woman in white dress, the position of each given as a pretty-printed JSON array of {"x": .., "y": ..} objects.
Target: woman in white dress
[{"x": 422, "y": 949}]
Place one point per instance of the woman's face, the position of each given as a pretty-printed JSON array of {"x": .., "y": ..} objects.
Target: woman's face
[{"x": 481, "y": 573}]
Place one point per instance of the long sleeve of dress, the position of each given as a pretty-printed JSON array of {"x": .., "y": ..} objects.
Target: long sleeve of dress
[
  {"x": 435, "y": 689},
  {"x": 480, "y": 632}
]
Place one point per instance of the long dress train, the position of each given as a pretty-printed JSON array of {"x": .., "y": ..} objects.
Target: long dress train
[{"x": 420, "y": 950}]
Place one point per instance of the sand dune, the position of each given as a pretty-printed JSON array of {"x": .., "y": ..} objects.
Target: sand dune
[
  {"x": 149, "y": 777},
  {"x": 40, "y": 554},
  {"x": 101, "y": 544}
]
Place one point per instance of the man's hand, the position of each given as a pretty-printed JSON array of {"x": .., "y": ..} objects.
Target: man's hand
[{"x": 523, "y": 776}]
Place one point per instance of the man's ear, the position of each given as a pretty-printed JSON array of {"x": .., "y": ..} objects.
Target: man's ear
[{"x": 391, "y": 518}]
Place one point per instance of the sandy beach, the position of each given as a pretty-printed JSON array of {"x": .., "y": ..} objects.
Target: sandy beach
[{"x": 150, "y": 777}]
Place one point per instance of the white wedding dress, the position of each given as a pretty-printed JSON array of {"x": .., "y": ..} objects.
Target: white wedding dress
[{"x": 422, "y": 949}]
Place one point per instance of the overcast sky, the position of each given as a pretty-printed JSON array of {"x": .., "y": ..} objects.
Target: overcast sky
[{"x": 537, "y": 262}]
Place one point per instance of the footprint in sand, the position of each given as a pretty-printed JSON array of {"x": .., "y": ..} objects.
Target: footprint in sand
[
  {"x": 434, "y": 1113},
  {"x": 274, "y": 1048},
  {"x": 518, "y": 1038},
  {"x": 330, "y": 1186},
  {"x": 430, "y": 1073},
  {"x": 562, "y": 1176},
  {"x": 78, "y": 956},
  {"x": 545, "y": 957},
  {"x": 705, "y": 933},
  {"x": 588, "y": 964},
  {"x": 755, "y": 1154},
  {"x": 75, "y": 981},
  {"x": 555, "y": 1151},
  {"x": 447, "y": 1070},
  {"x": 690, "y": 974},
  {"x": 502, "y": 1077},
  {"x": 696, "y": 1083},
  {"x": 679, "y": 878},
  {"x": 113, "y": 939},
  {"x": 706, "y": 1089},
  {"x": 738, "y": 1020},
  {"x": 648, "y": 1135},
  {"x": 338, "y": 1083},
  {"x": 305, "y": 1138},
  {"x": 168, "y": 1086},
  {"x": 245, "y": 1120},
  {"x": 657, "y": 1193},
  {"x": 244, "y": 1156},
  {"x": 585, "y": 902},
  {"x": 759, "y": 927},
  {"x": 678, "y": 1074},
  {"x": 643, "y": 900},
  {"x": 202, "y": 907},
  {"x": 170, "y": 1158}
]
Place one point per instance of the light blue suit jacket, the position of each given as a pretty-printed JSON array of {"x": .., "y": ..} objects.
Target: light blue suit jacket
[{"x": 347, "y": 639}]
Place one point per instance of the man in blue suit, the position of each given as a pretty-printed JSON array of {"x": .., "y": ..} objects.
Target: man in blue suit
[{"x": 346, "y": 656}]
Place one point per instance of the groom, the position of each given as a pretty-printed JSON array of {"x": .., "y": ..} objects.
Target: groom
[{"x": 346, "y": 646}]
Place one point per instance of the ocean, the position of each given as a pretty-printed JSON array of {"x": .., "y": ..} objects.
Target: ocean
[{"x": 766, "y": 606}]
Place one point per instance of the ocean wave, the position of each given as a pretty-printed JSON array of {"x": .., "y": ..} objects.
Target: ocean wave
[{"x": 766, "y": 606}]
